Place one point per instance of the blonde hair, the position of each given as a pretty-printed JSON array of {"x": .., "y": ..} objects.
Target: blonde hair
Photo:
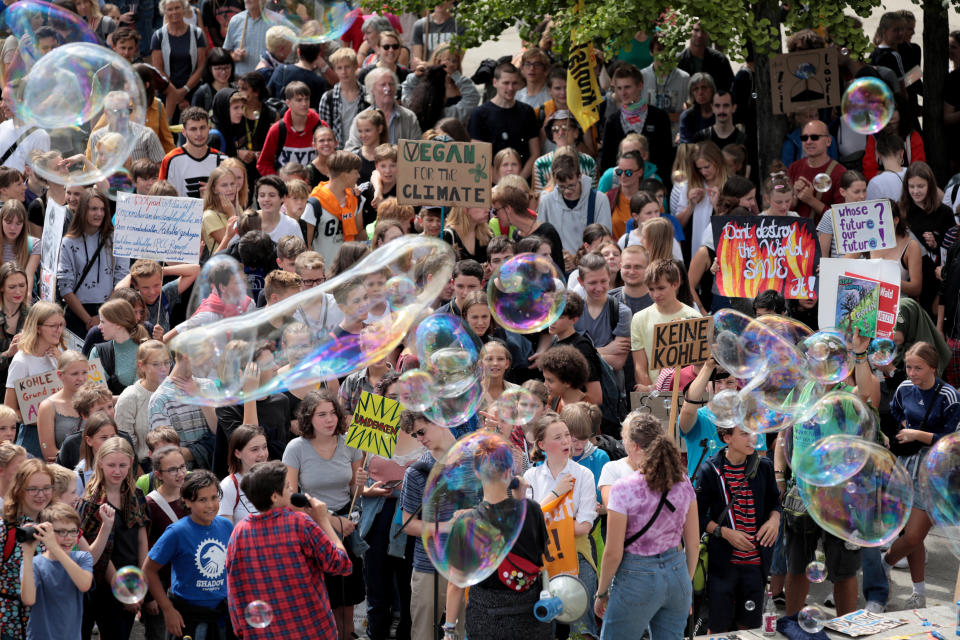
[
  {"x": 582, "y": 418},
  {"x": 659, "y": 235},
  {"x": 459, "y": 220},
  {"x": 212, "y": 201},
  {"x": 9, "y": 452},
  {"x": 96, "y": 487},
  {"x": 341, "y": 55},
  {"x": 146, "y": 349},
  {"x": 711, "y": 153},
  {"x": 39, "y": 314},
  {"x": 67, "y": 358},
  {"x": 277, "y": 36},
  {"x": 63, "y": 478},
  {"x": 7, "y": 412},
  {"x": 243, "y": 191}
]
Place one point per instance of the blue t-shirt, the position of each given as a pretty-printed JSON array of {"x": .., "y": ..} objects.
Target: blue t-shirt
[
  {"x": 595, "y": 460},
  {"x": 705, "y": 427},
  {"x": 198, "y": 557},
  {"x": 59, "y": 608}
]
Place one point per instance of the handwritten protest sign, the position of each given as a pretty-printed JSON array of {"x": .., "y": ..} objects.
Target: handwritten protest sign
[
  {"x": 805, "y": 80},
  {"x": 757, "y": 253},
  {"x": 831, "y": 270},
  {"x": 97, "y": 374},
  {"x": 561, "y": 555},
  {"x": 157, "y": 227},
  {"x": 50, "y": 249},
  {"x": 682, "y": 342},
  {"x": 444, "y": 174},
  {"x": 375, "y": 424},
  {"x": 863, "y": 226},
  {"x": 33, "y": 390}
]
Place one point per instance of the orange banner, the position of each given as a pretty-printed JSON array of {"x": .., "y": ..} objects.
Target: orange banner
[{"x": 561, "y": 556}]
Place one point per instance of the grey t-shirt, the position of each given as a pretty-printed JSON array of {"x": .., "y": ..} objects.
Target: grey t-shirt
[
  {"x": 436, "y": 34},
  {"x": 599, "y": 328},
  {"x": 325, "y": 480},
  {"x": 635, "y": 304},
  {"x": 348, "y": 111}
]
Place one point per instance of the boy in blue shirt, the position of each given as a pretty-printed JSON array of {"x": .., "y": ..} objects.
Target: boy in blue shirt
[
  {"x": 54, "y": 582},
  {"x": 196, "y": 549},
  {"x": 583, "y": 420}
]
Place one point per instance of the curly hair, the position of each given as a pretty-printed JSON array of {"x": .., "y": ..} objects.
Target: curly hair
[
  {"x": 567, "y": 363},
  {"x": 308, "y": 406},
  {"x": 662, "y": 467}
]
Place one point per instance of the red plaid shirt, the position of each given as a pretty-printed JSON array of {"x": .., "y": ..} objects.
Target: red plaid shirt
[{"x": 280, "y": 557}]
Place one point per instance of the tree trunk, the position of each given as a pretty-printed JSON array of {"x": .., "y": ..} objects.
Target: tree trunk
[
  {"x": 935, "y": 42},
  {"x": 771, "y": 129}
]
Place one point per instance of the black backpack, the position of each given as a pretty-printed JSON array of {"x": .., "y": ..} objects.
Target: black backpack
[
  {"x": 613, "y": 447},
  {"x": 615, "y": 404}
]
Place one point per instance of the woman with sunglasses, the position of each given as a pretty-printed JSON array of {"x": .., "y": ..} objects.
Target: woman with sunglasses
[
  {"x": 629, "y": 172},
  {"x": 388, "y": 55},
  {"x": 563, "y": 130}
]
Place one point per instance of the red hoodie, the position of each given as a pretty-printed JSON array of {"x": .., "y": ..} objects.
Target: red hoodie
[{"x": 296, "y": 147}]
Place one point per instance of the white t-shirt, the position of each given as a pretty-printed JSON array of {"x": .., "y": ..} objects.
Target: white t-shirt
[
  {"x": 38, "y": 140},
  {"x": 24, "y": 365},
  {"x": 613, "y": 471},
  {"x": 234, "y": 504},
  {"x": 286, "y": 227},
  {"x": 328, "y": 235}
]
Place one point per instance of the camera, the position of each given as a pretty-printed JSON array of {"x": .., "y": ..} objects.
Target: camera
[{"x": 26, "y": 533}]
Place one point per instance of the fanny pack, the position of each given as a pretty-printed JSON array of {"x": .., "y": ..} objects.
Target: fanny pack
[{"x": 518, "y": 573}]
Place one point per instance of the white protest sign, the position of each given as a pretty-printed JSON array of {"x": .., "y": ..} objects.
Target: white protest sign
[
  {"x": 830, "y": 271},
  {"x": 33, "y": 390},
  {"x": 859, "y": 227},
  {"x": 158, "y": 228},
  {"x": 50, "y": 249},
  {"x": 97, "y": 374}
]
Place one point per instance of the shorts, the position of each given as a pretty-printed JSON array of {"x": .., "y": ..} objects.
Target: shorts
[
  {"x": 800, "y": 537},
  {"x": 729, "y": 588},
  {"x": 912, "y": 464}
]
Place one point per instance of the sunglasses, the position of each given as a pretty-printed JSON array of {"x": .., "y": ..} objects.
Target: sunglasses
[
  {"x": 812, "y": 136},
  {"x": 389, "y": 47},
  {"x": 624, "y": 172},
  {"x": 419, "y": 433}
]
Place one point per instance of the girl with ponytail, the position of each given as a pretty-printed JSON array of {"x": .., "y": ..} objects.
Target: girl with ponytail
[{"x": 643, "y": 580}]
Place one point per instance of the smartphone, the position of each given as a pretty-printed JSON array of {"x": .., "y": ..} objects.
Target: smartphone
[{"x": 393, "y": 484}]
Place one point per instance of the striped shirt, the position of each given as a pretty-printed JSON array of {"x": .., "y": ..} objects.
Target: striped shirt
[{"x": 742, "y": 511}]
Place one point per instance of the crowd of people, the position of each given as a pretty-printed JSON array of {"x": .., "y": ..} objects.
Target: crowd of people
[{"x": 292, "y": 147}]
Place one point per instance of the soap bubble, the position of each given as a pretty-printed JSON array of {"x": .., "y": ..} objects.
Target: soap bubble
[
  {"x": 467, "y": 539},
  {"x": 876, "y": 510},
  {"x": 745, "y": 346},
  {"x": 836, "y": 413},
  {"x": 227, "y": 330},
  {"x": 828, "y": 359},
  {"x": 812, "y": 618},
  {"x": 844, "y": 51},
  {"x": 120, "y": 182},
  {"x": 881, "y": 351},
  {"x": 754, "y": 95},
  {"x": 725, "y": 406},
  {"x": 313, "y": 22},
  {"x": 526, "y": 294},
  {"x": 749, "y": 605},
  {"x": 867, "y": 105},
  {"x": 455, "y": 410},
  {"x": 940, "y": 483},
  {"x": 816, "y": 571},
  {"x": 517, "y": 406},
  {"x": 83, "y": 87},
  {"x": 415, "y": 389},
  {"x": 129, "y": 585},
  {"x": 399, "y": 291},
  {"x": 822, "y": 182},
  {"x": 793, "y": 331},
  {"x": 443, "y": 331},
  {"x": 258, "y": 614}
]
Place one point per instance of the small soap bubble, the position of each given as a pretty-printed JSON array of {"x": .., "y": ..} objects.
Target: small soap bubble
[
  {"x": 812, "y": 618},
  {"x": 258, "y": 614},
  {"x": 517, "y": 406},
  {"x": 844, "y": 51},
  {"x": 754, "y": 95},
  {"x": 816, "y": 571},
  {"x": 129, "y": 585},
  {"x": 749, "y": 605},
  {"x": 822, "y": 182},
  {"x": 881, "y": 351}
]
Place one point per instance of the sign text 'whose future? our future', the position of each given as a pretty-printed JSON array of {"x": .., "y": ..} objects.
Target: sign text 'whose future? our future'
[{"x": 859, "y": 227}]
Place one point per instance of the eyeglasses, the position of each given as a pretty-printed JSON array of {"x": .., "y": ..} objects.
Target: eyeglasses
[
  {"x": 67, "y": 533},
  {"x": 534, "y": 65},
  {"x": 812, "y": 137},
  {"x": 58, "y": 325},
  {"x": 163, "y": 364},
  {"x": 567, "y": 188},
  {"x": 388, "y": 47},
  {"x": 174, "y": 470},
  {"x": 37, "y": 490},
  {"x": 559, "y": 128},
  {"x": 312, "y": 282},
  {"x": 419, "y": 433},
  {"x": 221, "y": 67},
  {"x": 624, "y": 172}
]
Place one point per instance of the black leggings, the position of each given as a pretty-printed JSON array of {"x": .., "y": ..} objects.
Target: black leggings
[{"x": 113, "y": 621}]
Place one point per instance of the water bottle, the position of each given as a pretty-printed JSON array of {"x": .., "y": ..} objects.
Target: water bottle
[{"x": 769, "y": 616}]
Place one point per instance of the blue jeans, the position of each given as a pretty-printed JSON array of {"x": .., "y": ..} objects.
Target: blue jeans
[
  {"x": 652, "y": 591},
  {"x": 587, "y": 624},
  {"x": 876, "y": 587},
  {"x": 778, "y": 564}
]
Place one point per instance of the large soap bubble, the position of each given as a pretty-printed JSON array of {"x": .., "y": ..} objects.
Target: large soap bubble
[
  {"x": 517, "y": 406},
  {"x": 314, "y": 21},
  {"x": 219, "y": 339},
  {"x": 465, "y": 537},
  {"x": 838, "y": 412},
  {"x": 940, "y": 484},
  {"x": 92, "y": 105},
  {"x": 526, "y": 294},
  {"x": 870, "y": 500},
  {"x": 867, "y": 105},
  {"x": 828, "y": 358},
  {"x": 793, "y": 331}
]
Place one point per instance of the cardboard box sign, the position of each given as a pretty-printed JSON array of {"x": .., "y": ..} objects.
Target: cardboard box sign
[
  {"x": 682, "y": 342},
  {"x": 805, "y": 80},
  {"x": 444, "y": 174}
]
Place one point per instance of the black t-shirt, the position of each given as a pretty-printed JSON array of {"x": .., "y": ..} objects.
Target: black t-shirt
[
  {"x": 284, "y": 74},
  {"x": 273, "y": 415},
  {"x": 315, "y": 176},
  {"x": 369, "y": 211},
  {"x": 181, "y": 66},
  {"x": 531, "y": 544},
  {"x": 550, "y": 233},
  {"x": 582, "y": 344},
  {"x": 502, "y": 128}
]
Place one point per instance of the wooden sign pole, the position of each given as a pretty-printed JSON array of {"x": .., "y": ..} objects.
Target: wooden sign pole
[{"x": 672, "y": 430}]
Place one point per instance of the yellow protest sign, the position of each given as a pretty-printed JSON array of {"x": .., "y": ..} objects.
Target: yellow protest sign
[
  {"x": 375, "y": 424},
  {"x": 561, "y": 555}
]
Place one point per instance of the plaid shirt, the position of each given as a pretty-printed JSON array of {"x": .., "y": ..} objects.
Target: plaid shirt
[
  {"x": 169, "y": 407},
  {"x": 280, "y": 557},
  {"x": 329, "y": 110}
]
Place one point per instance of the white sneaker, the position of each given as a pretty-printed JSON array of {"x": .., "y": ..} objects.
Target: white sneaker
[
  {"x": 902, "y": 563},
  {"x": 875, "y": 607},
  {"x": 915, "y": 601}
]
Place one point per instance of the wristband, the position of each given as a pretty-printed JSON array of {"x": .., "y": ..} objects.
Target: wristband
[
  {"x": 699, "y": 402},
  {"x": 554, "y": 492},
  {"x": 861, "y": 354}
]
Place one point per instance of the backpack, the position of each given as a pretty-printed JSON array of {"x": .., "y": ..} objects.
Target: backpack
[
  {"x": 614, "y": 411},
  {"x": 613, "y": 447}
]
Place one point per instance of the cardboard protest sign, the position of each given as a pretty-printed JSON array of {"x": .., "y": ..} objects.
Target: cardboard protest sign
[
  {"x": 682, "y": 342},
  {"x": 97, "y": 374},
  {"x": 757, "y": 253},
  {"x": 444, "y": 174},
  {"x": 561, "y": 555},
  {"x": 863, "y": 226},
  {"x": 805, "y": 80},
  {"x": 50, "y": 249},
  {"x": 33, "y": 390},
  {"x": 831, "y": 269},
  {"x": 375, "y": 424},
  {"x": 158, "y": 228}
]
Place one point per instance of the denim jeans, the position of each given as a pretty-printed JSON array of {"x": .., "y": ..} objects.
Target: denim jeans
[
  {"x": 876, "y": 587},
  {"x": 587, "y": 624},
  {"x": 652, "y": 591},
  {"x": 778, "y": 564}
]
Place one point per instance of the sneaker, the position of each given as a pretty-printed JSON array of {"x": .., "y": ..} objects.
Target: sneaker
[
  {"x": 915, "y": 601},
  {"x": 902, "y": 564},
  {"x": 875, "y": 607},
  {"x": 780, "y": 601}
]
